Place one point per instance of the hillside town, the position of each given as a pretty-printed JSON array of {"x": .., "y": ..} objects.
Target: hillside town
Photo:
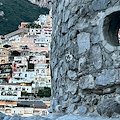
[{"x": 25, "y": 68}]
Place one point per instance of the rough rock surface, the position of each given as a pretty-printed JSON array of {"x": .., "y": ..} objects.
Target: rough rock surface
[
  {"x": 16, "y": 117},
  {"x": 108, "y": 108},
  {"x": 73, "y": 117},
  {"x": 85, "y": 59},
  {"x": 55, "y": 116},
  {"x": 42, "y": 3}
]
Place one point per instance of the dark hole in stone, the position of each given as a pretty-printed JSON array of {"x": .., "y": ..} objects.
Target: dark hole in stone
[{"x": 111, "y": 27}]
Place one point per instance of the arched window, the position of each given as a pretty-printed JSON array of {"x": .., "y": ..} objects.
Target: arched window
[
  {"x": 43, "y": 113},
  {"x": 37, "y": 71},
  {"x": 3, "y": 93},
  {"x": 9, "y": 88},
  {"x": 111, "y": 27},
  {"x": 2, "y": 88},
  {"x": 43, "y": 71}
]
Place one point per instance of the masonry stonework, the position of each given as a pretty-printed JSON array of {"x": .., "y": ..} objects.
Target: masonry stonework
[{"x": 85, "y": 57}]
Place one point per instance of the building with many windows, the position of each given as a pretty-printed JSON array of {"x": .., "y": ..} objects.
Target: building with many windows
[{"x": 23, "y": 77}]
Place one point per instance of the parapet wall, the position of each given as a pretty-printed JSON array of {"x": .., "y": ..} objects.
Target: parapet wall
[{"x": 85, "y": 57}]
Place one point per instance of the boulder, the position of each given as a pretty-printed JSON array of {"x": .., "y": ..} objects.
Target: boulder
[{"x": 108, "y": 108}]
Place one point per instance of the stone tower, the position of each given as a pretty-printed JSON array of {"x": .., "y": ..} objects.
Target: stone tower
[{"x": 85, "y": 57}]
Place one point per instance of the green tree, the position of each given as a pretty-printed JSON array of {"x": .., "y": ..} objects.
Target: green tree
[
  {"x": 40, "y": 93},
  {"x": 46, "y": 92},
  {"x": 24, "y": 93},
  {"x": 33, "y": 25}
]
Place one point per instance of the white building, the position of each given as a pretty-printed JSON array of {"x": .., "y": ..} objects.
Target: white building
[
  {"x": 38, "y": 59},
  {"x": 43, "y": 41},
  {"x": 43, "y": 81},
  {"x": 43, "y": 77},
  {"x": 23, "y": 77},
  {"x": 21, "y": 63},
  {"x": 14, "y": 38},
  {"x": 41, "y": 69},
  {"x": 25, "y": 111},
  {"x": 35, "y": 31},
  {"x": 12, "y": 91}
]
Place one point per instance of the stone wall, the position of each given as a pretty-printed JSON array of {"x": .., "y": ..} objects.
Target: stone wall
[{"x": 85, "y": 57}]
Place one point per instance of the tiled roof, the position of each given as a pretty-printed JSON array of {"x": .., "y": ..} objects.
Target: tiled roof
[{"x": 33, "y": 103}]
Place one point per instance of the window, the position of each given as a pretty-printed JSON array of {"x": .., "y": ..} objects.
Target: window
[
  {"x": 42, "y": 45},
  {"x": 47, "y": 61},
  {"x": 23, "y": 89},
  {"x": 25, "y": 75},
  {"x": 36, "y": 50},
  {"x": 20, "y": 112},
  {"x": 10, "y": 89},
  {"x": 3, "y": 88},
  {"x": 19, "y": 61},
  {"x": 43, "y": 113},
  {"x": 43, "y": 71},
  {"x": 37, "y": 71}
]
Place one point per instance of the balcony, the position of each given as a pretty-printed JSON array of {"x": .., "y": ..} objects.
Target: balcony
[
  {"x": 7, "y": 70},
  {"x": 2, "y": 108}
]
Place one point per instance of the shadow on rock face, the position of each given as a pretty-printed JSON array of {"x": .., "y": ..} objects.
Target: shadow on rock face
[{"x": 108, "y": 108}]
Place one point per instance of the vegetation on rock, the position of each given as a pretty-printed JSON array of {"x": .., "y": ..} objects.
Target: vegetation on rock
[{"x": 33, "y": 25}]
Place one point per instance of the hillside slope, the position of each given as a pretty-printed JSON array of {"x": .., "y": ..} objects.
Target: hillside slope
[
  {"x": 42, "y": 3},
  {"x": 13, "y": 12}
]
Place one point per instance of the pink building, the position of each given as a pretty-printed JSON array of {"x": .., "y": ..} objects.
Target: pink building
[
  {"x": 30, "y": 43},
  {"x": 47, "y": 30},
  {"x": 23, "y": 24}
]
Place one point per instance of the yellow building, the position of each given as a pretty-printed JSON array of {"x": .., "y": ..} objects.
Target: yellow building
[{"x": 4, "y": 55}]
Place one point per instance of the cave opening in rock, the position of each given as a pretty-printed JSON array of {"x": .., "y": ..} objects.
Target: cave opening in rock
[{"x": 111, "y": 28}]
